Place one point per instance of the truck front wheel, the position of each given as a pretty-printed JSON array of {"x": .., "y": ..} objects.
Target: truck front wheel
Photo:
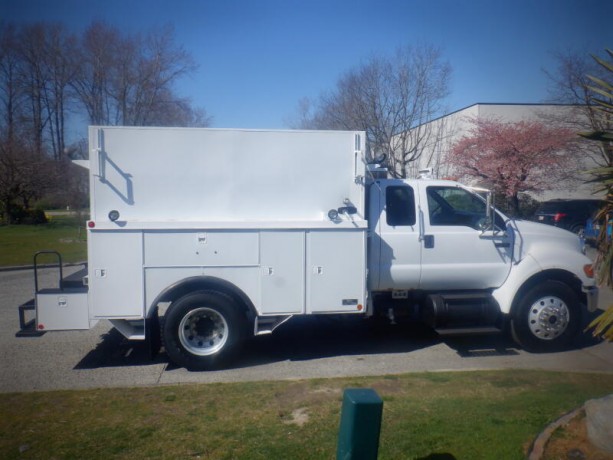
[
  {"x": 547, "y": 317},
  {"x": 203, "y": 330}
]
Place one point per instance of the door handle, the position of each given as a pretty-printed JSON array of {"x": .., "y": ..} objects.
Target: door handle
[
  {"x": 428, "y": 241},
  {"x": 502, "y": 245}
]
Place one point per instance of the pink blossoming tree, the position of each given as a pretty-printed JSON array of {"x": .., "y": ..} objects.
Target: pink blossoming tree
[{"x": 518, "y": 157}]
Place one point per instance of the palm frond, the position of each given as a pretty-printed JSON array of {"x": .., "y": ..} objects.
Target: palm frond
[
  {"x": 603, "y": 63},
  {"x": 602, "y": 325},
  {"x": 603, "y": 89},
  {"x": 602, "y": 136},
  {"x": 602, "y": 97}
]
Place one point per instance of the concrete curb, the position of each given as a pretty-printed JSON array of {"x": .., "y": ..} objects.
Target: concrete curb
[{"x": 538, "y": 446}]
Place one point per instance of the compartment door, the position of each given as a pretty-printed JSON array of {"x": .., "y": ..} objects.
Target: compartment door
[
  {"x": 282, "y": 276},
  {"x": 116, "y": 274},
  {"x": 336, "y": 271}
]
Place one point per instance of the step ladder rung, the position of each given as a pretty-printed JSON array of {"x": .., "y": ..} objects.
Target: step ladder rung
[{"x": 27, "y": 328}]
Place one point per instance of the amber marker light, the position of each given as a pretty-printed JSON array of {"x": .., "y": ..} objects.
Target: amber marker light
[{"x": 589, "y": 270}]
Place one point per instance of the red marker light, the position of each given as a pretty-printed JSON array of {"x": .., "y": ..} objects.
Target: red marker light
[
  {"x": 91, "y": 224},
  {"x": 559, "y": 216},
  {"x": 41, "y": 326}
]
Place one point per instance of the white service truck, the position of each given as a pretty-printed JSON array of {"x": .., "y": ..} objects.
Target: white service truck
[{"x": 228, "y": 234}]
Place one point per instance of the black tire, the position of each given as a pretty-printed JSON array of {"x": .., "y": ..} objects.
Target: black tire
[
  {"x": 203, "y": 330},
  {"x": 547, "y": 318}
]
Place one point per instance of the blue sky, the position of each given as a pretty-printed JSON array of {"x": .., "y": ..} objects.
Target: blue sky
[{"x": 257, "y": 59}]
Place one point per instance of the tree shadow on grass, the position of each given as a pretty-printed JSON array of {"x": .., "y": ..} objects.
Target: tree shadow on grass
[{"x": 444, "y": 456}]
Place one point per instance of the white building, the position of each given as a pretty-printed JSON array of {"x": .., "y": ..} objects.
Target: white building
[{"x": 446, "y": 130}]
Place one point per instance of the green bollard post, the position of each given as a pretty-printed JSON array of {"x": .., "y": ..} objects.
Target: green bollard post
[{"x": 360, "y": 425}]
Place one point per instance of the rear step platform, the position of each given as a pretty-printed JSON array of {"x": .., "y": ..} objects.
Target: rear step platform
[
  {"x": 30, "y": 313},
  {"x": 74, "y": 281},
  {"x": 27, "y": 328}
]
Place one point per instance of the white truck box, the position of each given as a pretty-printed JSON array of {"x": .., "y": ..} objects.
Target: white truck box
[{"x": 249, "y": 207}]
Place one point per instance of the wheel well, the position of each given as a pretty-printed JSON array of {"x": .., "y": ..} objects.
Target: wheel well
[
  {"x": 206, "y": 283},
  {"x": 549, "y": 275}
]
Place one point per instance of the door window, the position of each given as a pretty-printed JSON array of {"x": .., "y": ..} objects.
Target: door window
[
  {"x": 455, "y": 206},
  {"x": 400, "y": 206}
]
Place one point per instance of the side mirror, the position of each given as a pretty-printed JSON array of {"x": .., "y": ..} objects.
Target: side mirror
[
  {"x": 489, "y": 212},
  {"x": 488, "y": 224}
]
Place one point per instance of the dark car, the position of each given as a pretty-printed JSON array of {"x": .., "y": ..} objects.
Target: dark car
[{"x": 568, "y": 214}]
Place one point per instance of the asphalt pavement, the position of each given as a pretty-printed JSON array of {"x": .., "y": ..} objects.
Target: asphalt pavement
[{"x": 316, "y": 347}]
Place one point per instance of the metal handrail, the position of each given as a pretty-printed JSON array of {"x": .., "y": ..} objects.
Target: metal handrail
[{"x": 59, "y": 257}]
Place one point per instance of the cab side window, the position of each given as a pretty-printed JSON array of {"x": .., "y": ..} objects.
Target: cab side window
[
  {"x": 400, "y": 206},
  {"x": 453, "y": 206}
]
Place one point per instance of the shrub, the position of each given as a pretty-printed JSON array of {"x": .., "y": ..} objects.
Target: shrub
[{"x": 19, "y": 215}]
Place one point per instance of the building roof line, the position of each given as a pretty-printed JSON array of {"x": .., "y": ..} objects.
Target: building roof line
[{"x": 535, "y": 104}]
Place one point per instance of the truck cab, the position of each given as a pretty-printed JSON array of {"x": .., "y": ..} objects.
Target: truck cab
[
  {"x": 437, "y": 249},
  {"x": 434, "y": 235}
]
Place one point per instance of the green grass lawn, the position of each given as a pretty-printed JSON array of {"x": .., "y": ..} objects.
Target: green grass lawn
[
  {"x": 65, "y": 234},
  {"x": 471, "y": 415}
]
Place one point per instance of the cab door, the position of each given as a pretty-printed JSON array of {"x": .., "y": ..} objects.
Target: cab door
[
  {"x": 457, "y": 253},
  {"x": 394, "y": 246}
]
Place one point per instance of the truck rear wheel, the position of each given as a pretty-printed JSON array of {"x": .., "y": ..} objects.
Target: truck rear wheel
[
  {"x": 547, "y": 318},
  {"x": 203, "y": 330}
]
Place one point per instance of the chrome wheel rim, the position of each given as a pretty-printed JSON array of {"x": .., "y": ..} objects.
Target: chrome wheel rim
[
  {"x": 203, "y": 331},
  {"x": 548, "y": 318}
]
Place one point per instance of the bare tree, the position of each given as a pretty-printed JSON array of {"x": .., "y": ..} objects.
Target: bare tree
[
  {"x": 43, "y": 57},
  {"x": 16, "y": 146},
  {"x": 115, "y": 78},
  {"x": 570, "y": 85},
  {"x": 128, "y": 80},
  {"x": 60, "y": 69},
  {"x": 391, "y": 98},
  {"x": 31, "y": 46},
  {"x": 11, "y": 93},
  {"x": 162, "y": 63},
  {"x": 92, "y": 82}
]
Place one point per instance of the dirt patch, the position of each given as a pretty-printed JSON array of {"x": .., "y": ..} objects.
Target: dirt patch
[
  {"x": 68, "y": 240},
  {"x": 303, "y": 393},
  {"x": 388, "y": 387},
  {"x": 298, "y": 417},
  {"x": 571, "y": 442}
]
